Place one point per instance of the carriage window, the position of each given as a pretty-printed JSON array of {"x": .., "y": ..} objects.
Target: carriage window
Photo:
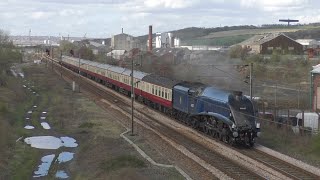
[
  {"x": 152, "y": 89},
  {"x": 166, "y": 95},
  {"x": 156, "y": 90}
]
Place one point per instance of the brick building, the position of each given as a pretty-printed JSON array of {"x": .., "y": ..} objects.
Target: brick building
[{"x": 268, "y": 43}]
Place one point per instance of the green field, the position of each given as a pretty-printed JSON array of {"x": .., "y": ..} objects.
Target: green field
[{"x": 219, "y": 41}]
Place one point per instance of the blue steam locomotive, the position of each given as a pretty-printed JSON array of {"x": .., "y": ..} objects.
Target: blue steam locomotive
[{"x": 226, "y": 115}]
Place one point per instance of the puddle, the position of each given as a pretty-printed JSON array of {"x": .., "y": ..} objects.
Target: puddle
[
  {"x": 43, "y": 168},
  {"x": 61, "y": 175},
  {"x": 50, "y": 142},
  {"x": 21, "y": 75},
  {"x": 45, "y": 125},
  {"x": 43, "y": 118},
  {"x": 29, "y": 127},
  {"x": 69, "y": 142},
  {"x": 13, "y": 73},
  {"x": 65, "y": 157}
]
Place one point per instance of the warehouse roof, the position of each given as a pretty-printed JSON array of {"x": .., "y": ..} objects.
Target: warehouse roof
[
  {"x": 307, "y": 42},
  {"x": 316, "y": 69},
  {"x": 116, "y": 52},
  {"x": 260, "y": 39}
]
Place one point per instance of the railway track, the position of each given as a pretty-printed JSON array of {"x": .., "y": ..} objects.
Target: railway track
[
  {"x": 285, "y": 168},
  {"x": 232, "y": 169},
  {"x": 227, "y": 166}
]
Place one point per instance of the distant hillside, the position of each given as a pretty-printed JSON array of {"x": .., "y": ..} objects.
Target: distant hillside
[
  {"x": 229, "y": 35},
  {"x": 196, "y": 32},
  {"x": 305, "y": 34}
]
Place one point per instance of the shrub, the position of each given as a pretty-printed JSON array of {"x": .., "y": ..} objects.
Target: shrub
[{"x": 235, "y": 51}]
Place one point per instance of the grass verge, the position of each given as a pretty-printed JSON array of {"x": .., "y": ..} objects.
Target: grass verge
[{"x": 122, "y": 161}]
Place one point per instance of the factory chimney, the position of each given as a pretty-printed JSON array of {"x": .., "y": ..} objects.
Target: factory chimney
[
  {"x": 121, "y": 30},
  {"x": 150, "y": 38}
]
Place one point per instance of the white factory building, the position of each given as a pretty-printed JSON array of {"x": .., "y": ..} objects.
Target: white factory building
[
  {"x": 166, "y": 40},
  {"x": 309, "y": 43}
]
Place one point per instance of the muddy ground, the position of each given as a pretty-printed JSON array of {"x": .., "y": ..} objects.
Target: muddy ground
[{"x": 101, "y": 154}]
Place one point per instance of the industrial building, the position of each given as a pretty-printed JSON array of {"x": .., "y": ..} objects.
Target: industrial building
[
  {"x": 97, "y": 47},
  {"x": 315, "y": 87},
  {"x": 309, "y": 43},
  {"x": 165, "y": 40},
  {"x": 268, "y": 43},
  {"x": 116, "y": 54},
  {"x": 124, "y": 42}
]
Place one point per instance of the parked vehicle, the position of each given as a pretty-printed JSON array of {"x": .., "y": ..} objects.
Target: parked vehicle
[
  {"x": 310, "y": 121},
  {"x": 283, "y": 120}
]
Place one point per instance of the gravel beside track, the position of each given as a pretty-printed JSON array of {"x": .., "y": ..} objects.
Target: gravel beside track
[{"x": 285, "y": 168}]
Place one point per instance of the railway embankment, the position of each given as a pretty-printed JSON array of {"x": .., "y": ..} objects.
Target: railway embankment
[{"x": 58, "y": 113}]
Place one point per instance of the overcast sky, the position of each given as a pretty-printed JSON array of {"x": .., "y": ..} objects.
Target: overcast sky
[{"x": 103, "y": 18}]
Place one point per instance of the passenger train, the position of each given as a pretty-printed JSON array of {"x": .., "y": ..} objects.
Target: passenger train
[{"x": 226, "y": 115}]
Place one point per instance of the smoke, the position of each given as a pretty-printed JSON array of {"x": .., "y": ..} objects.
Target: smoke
[{"x": 212, "y": 68}]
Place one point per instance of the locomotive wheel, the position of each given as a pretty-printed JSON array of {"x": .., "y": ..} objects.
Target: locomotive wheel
[
  {"x": 224, "y": 136},
  {"x": 251, "y": 142},
  {"x": 232, "y": 140},
  {"x": 219, "y": 135},
  {"x": 206, "y": 130},
  {"x": 194, "y": 124},
  {"x": 214, "y": 134}
]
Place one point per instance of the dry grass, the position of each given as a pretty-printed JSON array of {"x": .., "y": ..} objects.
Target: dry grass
[
  {"x": 305, "y": 148},
  {"x": 102, "y": 153}
]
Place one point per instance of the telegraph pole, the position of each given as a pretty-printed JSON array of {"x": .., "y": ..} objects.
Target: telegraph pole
[
  {"x": 251, "y": 90},
  {"x": 79, "y": 73},
  {"x": 132, "y": 97},
  {"x": 61, "y": 63}
]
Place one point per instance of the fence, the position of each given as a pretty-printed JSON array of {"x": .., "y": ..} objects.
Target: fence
[{"x": 284, "y": 96}]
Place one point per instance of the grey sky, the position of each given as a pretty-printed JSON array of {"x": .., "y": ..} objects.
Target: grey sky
[{"x": 102, "y": 18}]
